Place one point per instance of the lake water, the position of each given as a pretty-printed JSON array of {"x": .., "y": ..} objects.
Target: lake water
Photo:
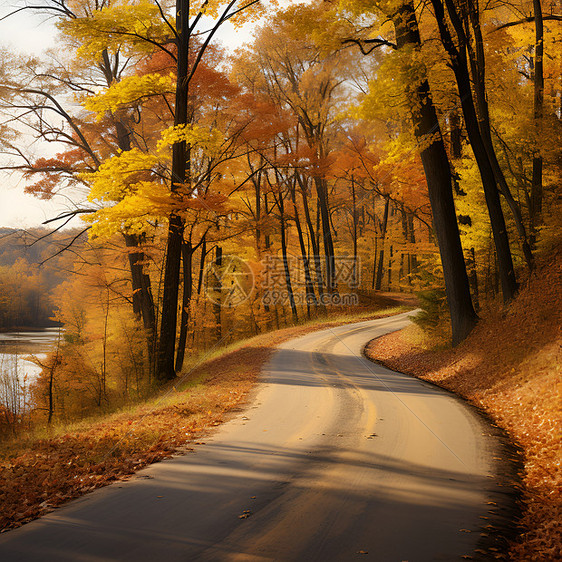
[{"x": 17, "y": 373}]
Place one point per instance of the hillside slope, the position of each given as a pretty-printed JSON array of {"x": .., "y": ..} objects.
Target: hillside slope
[{"x": 511, "y": 367}]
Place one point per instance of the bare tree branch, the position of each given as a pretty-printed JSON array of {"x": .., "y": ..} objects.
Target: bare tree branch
[
  {"x": 67, "y": 246},
  {"x": 551, "y": 17},
  {"x": 375, "y": 44}
]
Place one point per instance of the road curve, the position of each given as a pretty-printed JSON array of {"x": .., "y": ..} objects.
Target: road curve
[{"x": 336, "y": 458}]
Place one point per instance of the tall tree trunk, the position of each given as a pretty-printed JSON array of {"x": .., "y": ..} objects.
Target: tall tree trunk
[
  {"x": 384, "y": 224},
  {"x": 455, "y": 134},
  {"x": 180, "y": 172},
  {"x": 202, "y": 264},
  {"x": 460, "y": 68},
  {"x": 405, "y": 257},
  {"x": 473, "y": 278},
  {"x": 143, "y": 303},
  {"x": 267, "y": 237},
  {"x": 312, "y": 237},
  {"x": 187, "y": 258},
  {"x": 322, "y": 192},
  {"x": 310, "y": 294},
  {"x": 537, "y": 185},
  {"x": 412, "y": 240},
  {"x": 478, "y": 68},
  {"x": 390, "y": 267},
  {"x": 314, "y": 139},
  {"x": 51, "y": 388},
  {"x": 218, "y": 289},
  {"x": 437, "y": 171},
  {"x": 256, "y": 180},
  {"x": 355, "y": 216},
  {"x": 375, "y": 249},
  {"x": 288, "y": 283}
]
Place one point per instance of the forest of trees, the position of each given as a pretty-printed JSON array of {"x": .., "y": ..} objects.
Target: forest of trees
[
  {"x": 351, "y": 147},
  {"x": 32, "y": 264}
]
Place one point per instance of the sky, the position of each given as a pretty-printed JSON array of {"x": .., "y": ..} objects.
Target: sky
[
  {"x": 26, "y": 34},
  {"x": 30, "y": 34}
]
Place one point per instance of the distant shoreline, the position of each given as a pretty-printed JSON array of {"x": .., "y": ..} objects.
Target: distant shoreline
[{"x": 28, "y": 328}]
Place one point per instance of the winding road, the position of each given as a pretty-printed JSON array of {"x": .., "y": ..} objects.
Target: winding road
[{"x": 336, "y": 458}]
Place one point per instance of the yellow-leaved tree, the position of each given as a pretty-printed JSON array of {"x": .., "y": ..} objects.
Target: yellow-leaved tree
[{"x": 153, "y": 189}]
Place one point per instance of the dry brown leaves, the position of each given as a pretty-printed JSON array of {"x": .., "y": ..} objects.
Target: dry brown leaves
[
  {"x": 511, "y": 367},
  {"x": 52, "y": 471}
]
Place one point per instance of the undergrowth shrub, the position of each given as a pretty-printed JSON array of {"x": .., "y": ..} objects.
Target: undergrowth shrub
[{"x": 434, "y": 316}]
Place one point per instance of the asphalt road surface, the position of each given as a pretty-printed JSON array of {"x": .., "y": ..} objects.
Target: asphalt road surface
[{"x": 335, "y": 458}]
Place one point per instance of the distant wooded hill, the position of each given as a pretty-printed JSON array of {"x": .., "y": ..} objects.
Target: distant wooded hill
[{"x": 32, "y": 263}]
